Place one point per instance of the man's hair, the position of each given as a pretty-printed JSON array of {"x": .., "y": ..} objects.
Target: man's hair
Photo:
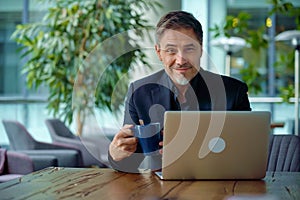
[{"x": 176, "y": 20}]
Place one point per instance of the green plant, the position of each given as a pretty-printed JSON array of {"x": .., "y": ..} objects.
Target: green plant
[
  {"x": 284, "y": 66},
  {"x": 238, "y": 26},
  {"x": 58, "y": 47},
  {"x": 233, "y": 25},
  {"x": 258, "y": 43},
  {"x": 286, "y": 8}
]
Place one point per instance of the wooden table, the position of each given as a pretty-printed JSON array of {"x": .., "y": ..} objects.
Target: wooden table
[{"x": 92, "y": 183}]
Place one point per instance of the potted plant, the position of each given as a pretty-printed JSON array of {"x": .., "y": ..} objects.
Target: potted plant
[{"x": 58, "y": 46}]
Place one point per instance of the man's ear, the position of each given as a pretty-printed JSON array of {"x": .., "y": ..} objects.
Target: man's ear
[
  {"x": 158, "y": 51},
  {"x": 201, "y": 50}
]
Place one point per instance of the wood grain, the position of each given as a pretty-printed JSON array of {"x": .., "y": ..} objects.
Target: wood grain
[{"x": 91, "y": 183}]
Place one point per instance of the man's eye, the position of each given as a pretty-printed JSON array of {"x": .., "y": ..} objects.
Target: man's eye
[
  {"x": 191, "y": 49},
  {"x": 171, "y": 51}
]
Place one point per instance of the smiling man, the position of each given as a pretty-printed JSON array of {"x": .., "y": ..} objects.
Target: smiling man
[{"x": 181, "y": 85}]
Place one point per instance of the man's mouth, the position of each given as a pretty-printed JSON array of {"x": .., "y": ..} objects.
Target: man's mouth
[{"x": 181, "y": 68}]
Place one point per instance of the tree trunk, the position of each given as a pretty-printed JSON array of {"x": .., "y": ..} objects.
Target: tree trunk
[{"x": 79, "y": 123}]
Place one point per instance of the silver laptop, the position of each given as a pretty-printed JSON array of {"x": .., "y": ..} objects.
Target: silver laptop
[{"x": 215, "y": 145}]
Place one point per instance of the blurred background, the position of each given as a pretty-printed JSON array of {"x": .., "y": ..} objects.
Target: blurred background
[{"x": 267, "y": 68}]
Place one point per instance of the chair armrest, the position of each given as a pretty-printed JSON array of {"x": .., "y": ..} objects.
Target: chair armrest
[
  {"x": 91, "y": 152},
  {"x": 43, "y": 161},
  {"x": 54, "y": 146},
  {"x": 67, "y": 141},
  {"x": 19, "y": 163},
  {"x": 65, "y": 157}
]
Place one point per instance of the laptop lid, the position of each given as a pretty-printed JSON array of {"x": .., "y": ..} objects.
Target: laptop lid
[{"x": 215, "y": 144}]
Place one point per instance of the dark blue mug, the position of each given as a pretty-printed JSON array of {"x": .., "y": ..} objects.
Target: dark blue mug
[{"x": 149, "y": 137}]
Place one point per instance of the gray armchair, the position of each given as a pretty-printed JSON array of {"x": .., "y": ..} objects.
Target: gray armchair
[
  {"x": 14, "y": 165},
  {"x": 284, "y": 153},
  {"x": 92, "y": 150},
  {"x": 20, "y": 140}
]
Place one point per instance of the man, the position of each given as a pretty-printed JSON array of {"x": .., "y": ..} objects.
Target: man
[{"x": 182, "y": 85}]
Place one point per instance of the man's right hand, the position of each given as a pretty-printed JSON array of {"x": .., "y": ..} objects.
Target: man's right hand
[{"x": 124, "y": 144}]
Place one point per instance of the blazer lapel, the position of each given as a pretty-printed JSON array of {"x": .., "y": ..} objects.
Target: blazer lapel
[
  {"x": 161, "y": 100},
  {"x": 162, "y": 93}
]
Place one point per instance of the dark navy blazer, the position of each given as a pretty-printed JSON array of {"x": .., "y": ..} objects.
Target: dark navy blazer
[{"x": 149, "y": 97}]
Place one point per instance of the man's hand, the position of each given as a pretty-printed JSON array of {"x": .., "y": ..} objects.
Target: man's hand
[{"x": 123, "y": 144}]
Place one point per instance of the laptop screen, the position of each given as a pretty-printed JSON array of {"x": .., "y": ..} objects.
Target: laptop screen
[{"x": 215, "y": 144}]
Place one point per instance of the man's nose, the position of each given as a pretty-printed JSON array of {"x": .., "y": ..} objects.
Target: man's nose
[{"x": 180, "y": 59}]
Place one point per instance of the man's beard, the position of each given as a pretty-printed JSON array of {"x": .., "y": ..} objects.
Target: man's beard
[{"x": 181, "y": 80}]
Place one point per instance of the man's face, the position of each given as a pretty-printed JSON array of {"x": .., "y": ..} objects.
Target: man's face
[{"x": 180, "y": 52}]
